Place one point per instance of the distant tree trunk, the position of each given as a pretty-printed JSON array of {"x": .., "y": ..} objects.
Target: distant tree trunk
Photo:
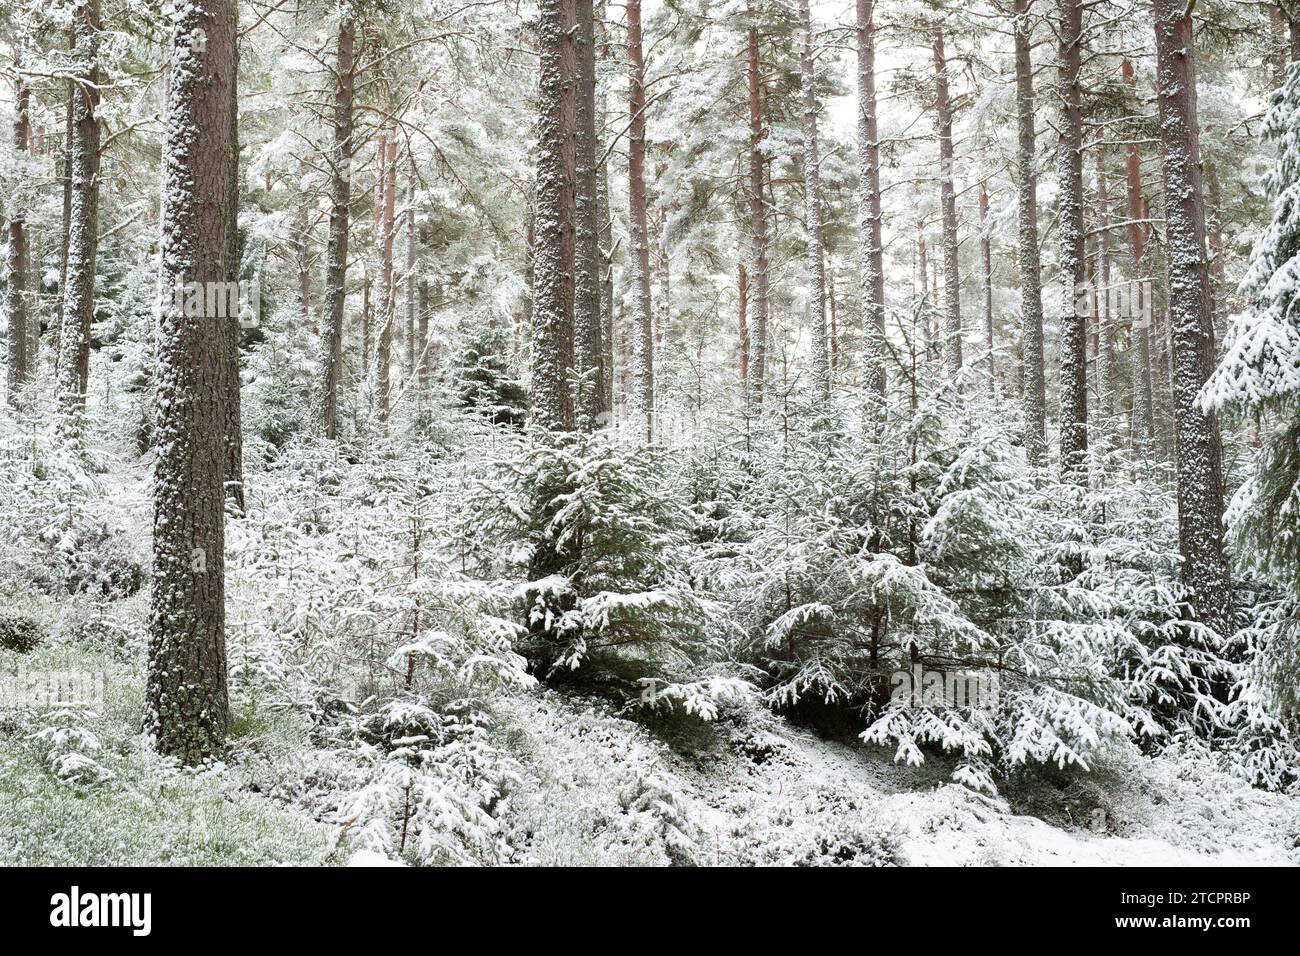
[
  {"x": 1199, "y": 453},
  {"x": 756, "y": 267},
  {"x": 1034, "y": 392},
  {"x": 412, "y": 241},
  {"x": 422, "y": 319},
  {"x": 986, "y": 279},
  {"x": 1218, "y": 264},
  {"x": 187, "y": 698},
  {"x": 16, "y": 292},
  {"x": 230, "y": 324},
  {"x": 336, "y": 255},
  {"x": 605, "y": 239},
  {"x": 553, "y": 249},
  {"x": 948, "y": 201},
  {"x": 387, "y": 286},
  {"x": 66, "y": 177},
  {"x": 742, "y": 290},
  {"x": 1143, "y": 405},
  {"x": 871, "y": 282},
  {"x": 588, "y": 351},
  {"x": 816, "y": 246},
  {"x": 643, "y": 319},
  {"x": 1074, "y": 346},
  {"x": 1106, "y": 377},
  {"x": 83, "y": 232},
  {"x": 302, "y": 249}
]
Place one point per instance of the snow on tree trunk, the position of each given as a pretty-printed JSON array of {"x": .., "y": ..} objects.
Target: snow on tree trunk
[
  {"x": 16, "y": 290},
  {"x": 232, "y": 429},
  {"x": 1074, "y": 354},
  {"x": 952, "y": 345},
  {"x": 553, "y": 248},
  {"x": 871, "y": 267},
  {"x": 422, "y": 319},
  {"x": 1105, "y": 329},
  {"x": 588, "y": 352},
  {"x": 1143, "y": 404},
  {"x": 1199, "y": 453},
  {"x": 643, "y": 315},
  {"x": 756, "y": 265},
  {"x": 1034, "y": 394},
  {"x": 986, "y": 279},
  {"x": 83, "y": 231},
  {"x": 816, "y": 248},
  {"x": 411, "y": 242},
  {"x": 387, "y": 286},
  {"x": 187, "y": 697},
  {"x": 336, "y": 255}
]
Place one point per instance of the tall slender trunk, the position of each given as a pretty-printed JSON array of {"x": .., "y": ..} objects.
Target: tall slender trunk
[
  {"x": 422, "y": 319},
  {"x": 66, "y": 177},
  {"x": 952, "y": 349},
  {"x": 83, "y": 222},
  {"x": 1143, "y": 404},
  {"x": 756, "y": 266},
  {"x": 1199, "y": 453},
  {"x": 553, "y": 248},
  {"x": 871, "y": 267},
  {"x": 16, "y": 292},
  {"x": 412, "y": 240},
  {"x": 387, "y": 286},
  {"x": 1034, "y": 391},
  {"x": 336, "y": 255},
  {"x": 816, "y": 246},
  {"x": 986, "y": 279},
  {"x": 1106, "y": 358},
  {"x": 587, "y": 349},
  {"x": 605, "y": 238},
  {"x": 643, "y": 318},
  {"x": 187, "y": 699},
  {"x": 232, "y": 429},
  {"x": 1074, "y": 354}
]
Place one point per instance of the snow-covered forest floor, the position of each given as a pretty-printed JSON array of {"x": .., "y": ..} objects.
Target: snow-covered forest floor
[{"x": 544, "y": 775}]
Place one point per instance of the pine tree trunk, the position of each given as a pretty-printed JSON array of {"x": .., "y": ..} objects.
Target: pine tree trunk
[
  {"x": 952, "y": 348},
  {"x": 1143, "y": 411},
  {"x": 871, "y": 282},
  {"x": 422, "y": 319},
  {"x": 553, "y": 248},
  {"x": 1199, "y": 453},
  {"x": 587, "y": 348},
  {"x": 742, "y": 292},
  {"x": 187, "y": 698},
  {"x": 16, "y": 291},
  {"x": 387, "y": 285},
  {"x": 232, "y": 429},
  {"x": 643, "y": 318},
  {"x": 1074, "y": 354},
  {"x": 986, "y": 280},
  {"x": 336, "y": 255},
  {"x": 1034, "y": 392},
  {"x": 411, "y": 242},
  {"x": 1106, "y": 357},
  {"x": 816, "y": 247},
  {"x": 83, "y": 231},
  {"x": 756, "y": 266},
  {"x": 66, "y": 177}
]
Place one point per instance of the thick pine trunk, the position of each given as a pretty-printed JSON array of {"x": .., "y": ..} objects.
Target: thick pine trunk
[
  {"x": 232, "y": 429},
  {"x": 756, "y": 267},
  {"x": 16, "y": 292},
  {"x": 553, "y": 247},
  {"x": 83, "y": 223},
  {"x": 952, "y": 346},
  {"x": 816, "y": 247},
  {"x": 187, "y": 696},
  {"x": 871, "y": 268},
  {"x": 1074, "y": 345},
  {"x": 336, "y": 255},
  {"x": 643, "y": 315},
  {"x": 1034, "y": 392},
  {"x": 588, "y": 352},
  {"x": 1199, "y": 453}
]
